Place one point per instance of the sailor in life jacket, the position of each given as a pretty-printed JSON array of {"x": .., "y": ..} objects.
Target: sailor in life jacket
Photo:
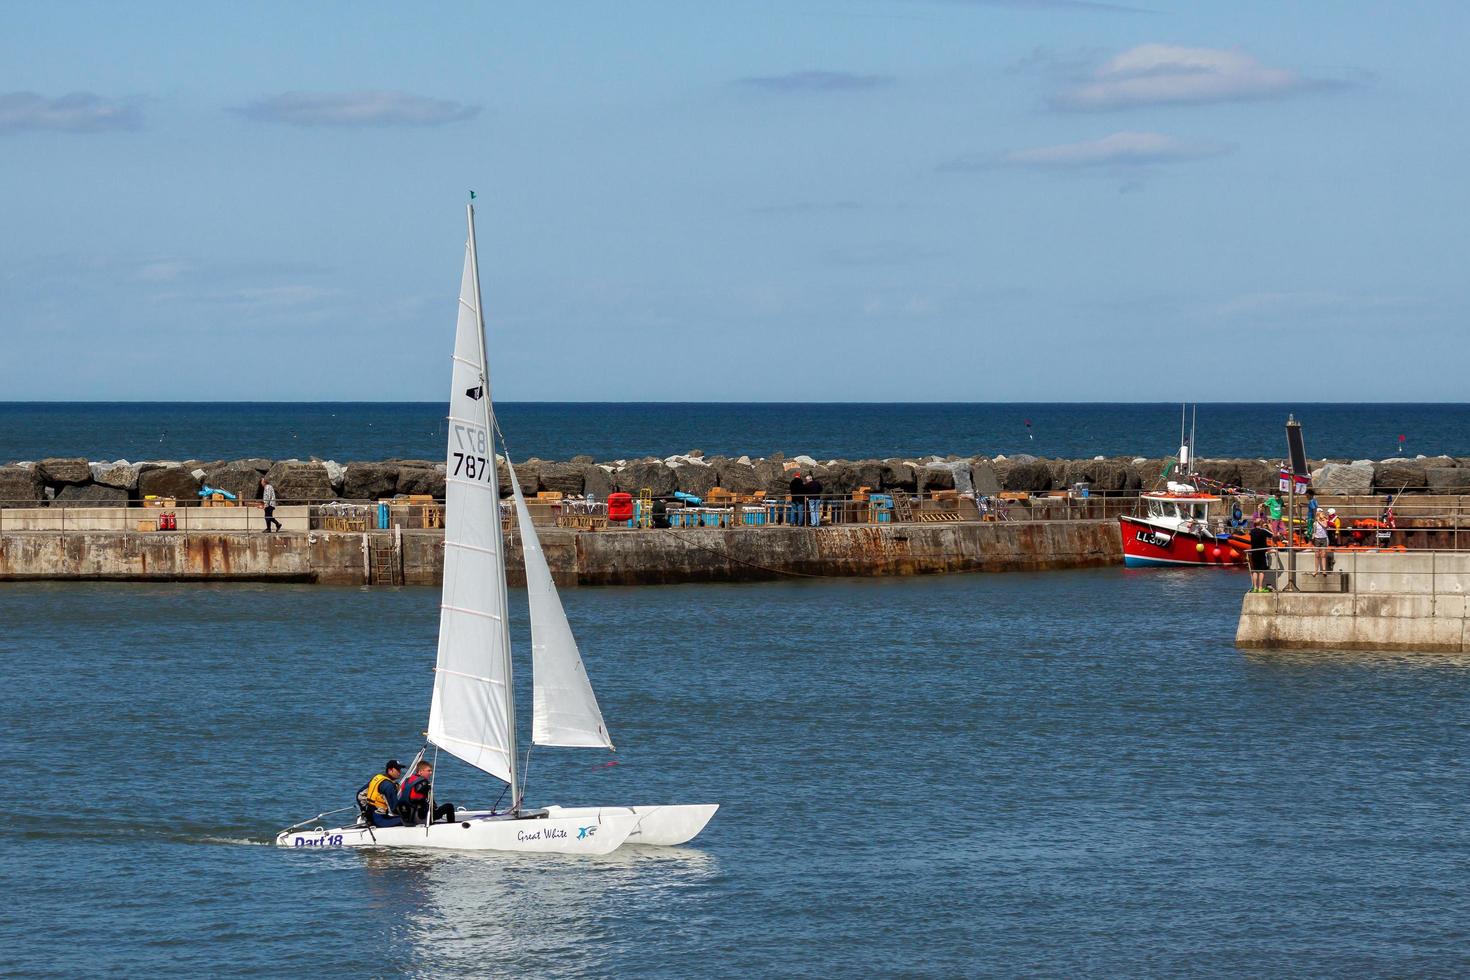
[
  {"x": 413, "y": 799},
  {"x": 379, "y": 798}
]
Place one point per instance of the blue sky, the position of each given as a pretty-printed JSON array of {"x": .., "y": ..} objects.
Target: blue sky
[{"x": 856, "y": 200}]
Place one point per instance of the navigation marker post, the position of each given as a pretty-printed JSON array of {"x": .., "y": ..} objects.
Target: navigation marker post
[{"x": 1298, "y": 466}]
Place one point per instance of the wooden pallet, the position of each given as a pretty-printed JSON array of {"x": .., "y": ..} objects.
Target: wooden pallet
[
  {"x": 584, "y": 522},
  {"x": 344, "y": 524},
  {"x": 903, "y": 509},
  {"x": 937, "y": 516}
]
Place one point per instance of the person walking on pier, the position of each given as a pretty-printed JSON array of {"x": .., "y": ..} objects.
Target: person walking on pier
[{"x": 268, "y": 501}]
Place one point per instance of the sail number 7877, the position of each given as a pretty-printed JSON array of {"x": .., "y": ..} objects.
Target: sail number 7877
[{"x": 471, "y": 459}]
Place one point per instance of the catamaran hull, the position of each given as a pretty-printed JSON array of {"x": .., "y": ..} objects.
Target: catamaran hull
[
  {"x": 658, "y": 826},
  {"x": 587, "y": 831}
]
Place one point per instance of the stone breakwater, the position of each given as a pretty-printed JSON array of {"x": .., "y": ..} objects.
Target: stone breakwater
[
  {"x": 81, "y": 482},
  {"x": 575, "y": 557}
]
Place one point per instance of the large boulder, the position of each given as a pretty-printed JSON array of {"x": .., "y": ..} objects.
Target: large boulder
[
  {"x": 563, "y": 477},
  {"x": 336, "y": 474},
  {"x": 1034, "y": 476},
  {"x": 696, "y": 479},
  {"x": 597, "y": 481},
  {"x": 738, "y": 477},
  {"x": 773, "y": 476},
  {"x": 298, "y": 482},
  {"x": 1448, "y": 479},
  {"x": 21, "y": 486},
  {"x": 168, "y": 481},
  {"x": 1401, "y": 475},
  {"x": 1104, "y": 475},
  {"x": 984, "y": 478},
  {"x": 91, "y": 495},
  {"x": 121, "y": 474},
  {"x": 654, "y": 475},
  {"x": 1225, "y": 472},
  {"x": 1258, "y": 475},
  {"x": 242, "y": 481},
  {"x": 58, "y": 472},
  {"x": 367, "y": 481},
  {"x": 529, "y": 475},
  {"x": 1344, "y": 478},
  {"x": 899, "y": 475},
  {"x": 421, "y": 480},
  {"x": 935, "y": 476}
]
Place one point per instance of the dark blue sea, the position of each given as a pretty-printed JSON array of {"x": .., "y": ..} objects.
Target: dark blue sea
[
  {"x": 1065, "y": 773},
  {"x": 560, "y": 430}
]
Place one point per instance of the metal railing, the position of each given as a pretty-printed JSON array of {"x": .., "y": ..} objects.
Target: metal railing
[
  {"x": 1418, "y": 523},
  {"x": 1430, "y": 572}
]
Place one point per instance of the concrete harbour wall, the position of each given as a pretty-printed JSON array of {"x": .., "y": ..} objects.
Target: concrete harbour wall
[
  {"x": 577, "y": 557},
  {"x": 1407, "y": 601}
]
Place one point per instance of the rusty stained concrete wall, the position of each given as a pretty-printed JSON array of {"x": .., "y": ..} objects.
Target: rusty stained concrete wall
[{"x": 576, "y": 557}]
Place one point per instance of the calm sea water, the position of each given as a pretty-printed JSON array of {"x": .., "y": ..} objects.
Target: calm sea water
[
  {"x": 561, "y": 430},
  {"x": 1068, "y": 772}
]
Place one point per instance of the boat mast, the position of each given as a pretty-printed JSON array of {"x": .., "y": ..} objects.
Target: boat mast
[{"x": 500, "y": 587}]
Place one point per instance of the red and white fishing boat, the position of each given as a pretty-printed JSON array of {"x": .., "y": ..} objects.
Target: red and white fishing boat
[{"x": 1180, "y": 526}]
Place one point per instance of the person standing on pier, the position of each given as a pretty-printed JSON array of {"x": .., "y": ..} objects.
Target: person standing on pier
[
  {"x": 268, "y": 501},
  {"x": 814, "y": 499},
  {"x": 796, "y": 513},
  {"x": 1260, "y": 544},
  {"x": 1273, "y": 506}
]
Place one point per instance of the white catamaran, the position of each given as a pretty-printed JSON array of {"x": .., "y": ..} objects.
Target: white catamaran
[{"x": 472, "y": 713}]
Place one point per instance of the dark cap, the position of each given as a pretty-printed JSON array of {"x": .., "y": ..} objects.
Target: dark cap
[{"x": 393, "y": 764}]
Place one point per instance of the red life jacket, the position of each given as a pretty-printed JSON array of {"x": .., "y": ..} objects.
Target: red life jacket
[{"x": 415, "y": 790}]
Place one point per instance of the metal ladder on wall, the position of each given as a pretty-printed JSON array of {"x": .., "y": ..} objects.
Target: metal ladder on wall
[{"x": 385, "y": 569}]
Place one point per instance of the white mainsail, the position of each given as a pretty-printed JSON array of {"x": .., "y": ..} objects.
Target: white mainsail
[
  {"x": 566, "y": 711},
  {"x": 472, "y": 715}
]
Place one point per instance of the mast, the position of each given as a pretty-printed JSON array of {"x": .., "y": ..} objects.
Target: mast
[{"x": 500, "y": 587}]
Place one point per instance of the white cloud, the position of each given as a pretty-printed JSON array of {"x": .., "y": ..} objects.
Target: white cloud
[
  {"x": 78, "y": 112},
  {"x": 356, "y": 109},
  {"x": 1164, "y": 74},
  {"x": 1116, "y": 149}
]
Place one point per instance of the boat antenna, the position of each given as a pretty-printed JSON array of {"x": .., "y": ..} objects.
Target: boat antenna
[{"x": 1193, "y": 452}]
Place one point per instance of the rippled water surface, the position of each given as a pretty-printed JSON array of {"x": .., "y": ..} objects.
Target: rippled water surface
[
  {"x": 1060, "y": 772},
  {"x": 617, "y": 430}
]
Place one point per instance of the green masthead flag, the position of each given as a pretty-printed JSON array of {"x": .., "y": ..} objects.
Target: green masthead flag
[{"x": 472, "y": 195}]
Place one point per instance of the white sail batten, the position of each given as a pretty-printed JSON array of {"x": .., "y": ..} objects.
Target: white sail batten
[
  {"x": 471, "y": 715},
  {"x": 566, "y": 711}
]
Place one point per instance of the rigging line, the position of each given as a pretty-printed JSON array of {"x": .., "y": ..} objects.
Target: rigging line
[
  {"x": 429, "y": 817},
  {"x": 526, "y": 771}
]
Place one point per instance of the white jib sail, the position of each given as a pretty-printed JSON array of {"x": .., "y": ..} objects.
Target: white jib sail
[
  {"x": 566, "y": 711},
  {"x": 472, "y": 714}
]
